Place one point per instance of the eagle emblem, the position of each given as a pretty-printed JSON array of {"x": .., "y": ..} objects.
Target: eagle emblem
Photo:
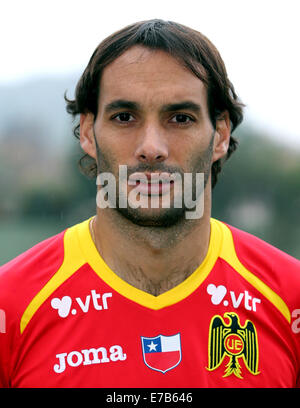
[{"x": 235, "y": 341}]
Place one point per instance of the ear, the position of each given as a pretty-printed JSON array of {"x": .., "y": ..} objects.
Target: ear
[
  {"x": 87, "y": 139},
  {"x": 222, "y": 136}
]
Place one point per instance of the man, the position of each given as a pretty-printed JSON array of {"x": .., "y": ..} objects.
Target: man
[{"x": 145, "y": 295}]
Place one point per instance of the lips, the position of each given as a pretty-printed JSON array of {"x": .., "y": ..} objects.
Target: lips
[{"x": 151, "y": 183}]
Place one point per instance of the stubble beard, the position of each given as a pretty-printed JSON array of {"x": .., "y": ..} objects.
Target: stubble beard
[{"x": 162, "y": 217}]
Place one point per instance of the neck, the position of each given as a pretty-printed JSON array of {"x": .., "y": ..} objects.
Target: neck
[{"x": 153, "y": 259}]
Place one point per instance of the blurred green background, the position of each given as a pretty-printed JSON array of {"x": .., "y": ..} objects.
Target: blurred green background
[{"x": 43, "y": 191}]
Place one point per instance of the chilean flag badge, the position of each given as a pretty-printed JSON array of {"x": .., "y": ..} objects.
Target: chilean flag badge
[{"x": 162, "y": 353}]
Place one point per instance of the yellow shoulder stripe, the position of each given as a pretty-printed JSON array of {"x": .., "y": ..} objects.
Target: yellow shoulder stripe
[
  {"x": 229, "y": 255},
  {"x": 73, "y": 260}
]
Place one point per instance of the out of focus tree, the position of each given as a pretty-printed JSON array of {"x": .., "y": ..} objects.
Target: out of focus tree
[{"x": 259, "y": 191}]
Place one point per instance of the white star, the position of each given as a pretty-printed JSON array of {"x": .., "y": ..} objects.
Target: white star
[{"x": 152, "y": 346}]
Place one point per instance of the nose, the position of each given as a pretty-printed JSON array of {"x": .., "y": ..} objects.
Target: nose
[{"x": 152, "y": 145}]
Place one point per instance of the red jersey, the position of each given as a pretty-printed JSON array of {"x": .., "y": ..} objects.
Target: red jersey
[{"x": 67, "y": 320}]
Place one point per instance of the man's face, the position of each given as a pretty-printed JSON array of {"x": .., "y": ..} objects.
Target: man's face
[{"x": 152, "y": 117}]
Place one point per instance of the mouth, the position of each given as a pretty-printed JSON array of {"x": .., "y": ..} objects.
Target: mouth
[{"x": 151, "y": 183}]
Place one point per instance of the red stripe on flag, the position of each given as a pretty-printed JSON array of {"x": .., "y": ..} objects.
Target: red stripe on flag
[{"x": 163, "y": 361}]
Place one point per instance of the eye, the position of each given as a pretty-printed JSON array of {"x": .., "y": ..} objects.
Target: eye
[
  {"x": 181, "y": 118},
  {"x": 123, "y": 117}
]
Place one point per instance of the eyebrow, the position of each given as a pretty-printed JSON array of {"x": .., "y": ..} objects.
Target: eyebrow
[
  {"x": 185, "y": 105},
  {"x": 122, "y": 104},
  {"x": 135, "y": 106}
]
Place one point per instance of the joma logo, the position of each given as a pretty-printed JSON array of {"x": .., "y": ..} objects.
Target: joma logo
[{"x": 88, "y": 356}]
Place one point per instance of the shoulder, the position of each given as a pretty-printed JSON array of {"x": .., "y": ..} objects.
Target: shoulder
[
  {"x": 277, "y": 269},
  {"x": 261, "y": 255}
]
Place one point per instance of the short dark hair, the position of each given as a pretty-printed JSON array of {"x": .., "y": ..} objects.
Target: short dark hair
[{"x": 185, "y": 44}]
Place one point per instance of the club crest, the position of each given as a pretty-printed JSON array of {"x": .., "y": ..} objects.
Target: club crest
[
  {"x": 235, "y": 341},
  {"x": 162, "y": 353}
]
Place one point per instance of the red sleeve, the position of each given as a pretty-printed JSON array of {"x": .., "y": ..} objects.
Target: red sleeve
[{"x": 20, "y": 280}]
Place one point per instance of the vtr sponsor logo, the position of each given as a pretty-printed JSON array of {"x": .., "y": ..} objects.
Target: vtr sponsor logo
[
  {"x": 218, "y": 294},
  {"x": 63, "y": 305}
]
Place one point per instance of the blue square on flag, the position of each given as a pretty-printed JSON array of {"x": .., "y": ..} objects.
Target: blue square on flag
[{"x": 152, "y": 344}]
